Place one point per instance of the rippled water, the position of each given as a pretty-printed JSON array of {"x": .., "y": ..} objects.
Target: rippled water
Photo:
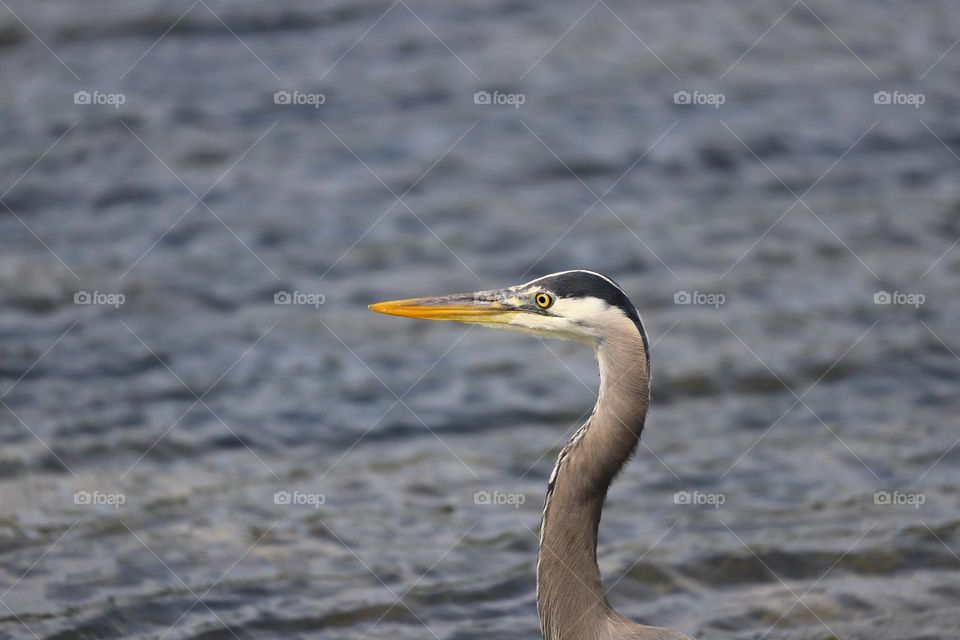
[{"x": 192, "y": 410}]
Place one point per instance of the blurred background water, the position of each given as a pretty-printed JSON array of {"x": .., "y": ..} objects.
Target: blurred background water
[{"x": 185, "y": 458}]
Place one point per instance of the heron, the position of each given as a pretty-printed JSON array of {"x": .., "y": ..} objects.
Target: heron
[{"x": 590, "y": 308}]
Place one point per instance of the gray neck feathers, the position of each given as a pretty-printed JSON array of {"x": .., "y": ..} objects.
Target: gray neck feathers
[{"x": 570, "y": 596}]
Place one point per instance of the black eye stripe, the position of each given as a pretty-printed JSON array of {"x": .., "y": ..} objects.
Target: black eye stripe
[{"x": 583, "y": 284}]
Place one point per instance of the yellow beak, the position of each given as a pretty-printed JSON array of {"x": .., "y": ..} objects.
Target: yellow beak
[{"x": 458, "y": 308}]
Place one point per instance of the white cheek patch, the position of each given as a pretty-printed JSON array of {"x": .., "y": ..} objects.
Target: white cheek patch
[
  {"x": 584, "y": 310},
  {"x": 546, "y": 326},
  {"x": 572, "y": 319}
]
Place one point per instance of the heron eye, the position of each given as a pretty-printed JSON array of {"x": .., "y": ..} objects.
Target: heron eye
[{"x": 543, "y": 300}]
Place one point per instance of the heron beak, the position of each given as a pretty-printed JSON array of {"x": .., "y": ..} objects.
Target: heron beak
[{"x": 483, "y": 307}]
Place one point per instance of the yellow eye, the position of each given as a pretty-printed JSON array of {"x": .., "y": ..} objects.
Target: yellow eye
[{"x": 543, "y": 300}]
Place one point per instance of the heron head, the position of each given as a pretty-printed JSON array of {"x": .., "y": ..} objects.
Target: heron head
[{"x": 572, "y": 305}]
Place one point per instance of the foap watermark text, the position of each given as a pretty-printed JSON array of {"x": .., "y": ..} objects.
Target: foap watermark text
[
  {"x": 99, "y": 499},
  {"x": 110, "y": 299},
  {"x": 99, "y": 98},
  {"x": 299, "y": 98},
  {"x": 499, "y": 498},
  {"x": 699, "y": 498},
  {"x": 899, "y": 98},
  {"x": 499, "y": 98},
  {"x": 299, "y": 499},
  {"x": 899, "y": 498},
  {"x": 899, "y": 298},
  {"x": 699, "y": 98},
  {"x": 299, "y": 297},
  {"x": 715, "y": 300}
]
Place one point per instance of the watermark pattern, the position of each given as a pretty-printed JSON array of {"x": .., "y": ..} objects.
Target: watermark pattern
[
  {"x": 701, "y": 98},
  {"x": 682, "y": 99},
  {"x": 499, "y": 498},
  {"x": 99, "y": 499},
  {"x": 299, "y": 98},
  {"x": 111, "y": 299},
  {"x": 299, "y": 297},
  {"x": 899, "y": 98},
  {"x": 699, "y": 498},
  {"x": 499, "y": 98},
  {"x": 299, "y": 499},
  {"x": 99, "y": 98},
  {"x": 715, "y": 300},
  {"x": 899, "y": 298}
]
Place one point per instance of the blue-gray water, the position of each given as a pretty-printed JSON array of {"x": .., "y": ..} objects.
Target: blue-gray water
[{"x": 198, "y": 399}]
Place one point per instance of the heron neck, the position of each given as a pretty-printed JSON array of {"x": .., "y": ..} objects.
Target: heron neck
[{"x": 570, "y": 597}]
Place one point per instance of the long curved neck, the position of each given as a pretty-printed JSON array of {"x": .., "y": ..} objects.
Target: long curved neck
[{"x": 570, "y": 598}]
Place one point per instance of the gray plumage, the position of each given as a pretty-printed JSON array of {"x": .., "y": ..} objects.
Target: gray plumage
[
  {"x": 571, "y": 600},
  {"x": 590, "y": 308}
]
